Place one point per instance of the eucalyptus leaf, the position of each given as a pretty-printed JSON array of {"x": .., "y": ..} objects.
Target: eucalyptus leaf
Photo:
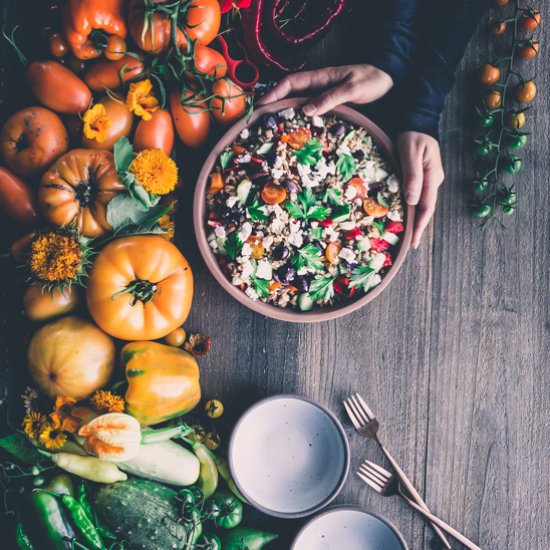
[
  {"x": 18, "y": 445},
  {"x": 123, "y": 154}
]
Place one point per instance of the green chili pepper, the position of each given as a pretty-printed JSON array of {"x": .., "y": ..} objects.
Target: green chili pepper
[
  {"x": 209, "y": 541},
  {"x": 231, "y": 510},
  {"x": 43, "y": 517},
  {"x": 193, "y": 524},
  {"x": 83, "y": 498},
  {"x": 80, "y": 519},
  {"x": 22, "y": 539},
  {"x": 251, "y": 539},
  {"x": 223, "y": 469}
]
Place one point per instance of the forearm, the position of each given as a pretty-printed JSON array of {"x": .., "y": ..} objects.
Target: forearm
[{"x": 445, "y": 37}]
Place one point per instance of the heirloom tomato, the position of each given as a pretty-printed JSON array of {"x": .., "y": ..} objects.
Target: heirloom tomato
[
  {"x": 40, "y": 304},
  {"x": 157, "y": 133},
  {"x": 140, "y": 288},
  {"x": 110, "y": 75},
  {"x": 191, "y": 117}
]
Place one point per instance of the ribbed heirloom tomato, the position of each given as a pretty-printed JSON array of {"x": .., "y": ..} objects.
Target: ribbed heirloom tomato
[{"x": 140, "y": 288}]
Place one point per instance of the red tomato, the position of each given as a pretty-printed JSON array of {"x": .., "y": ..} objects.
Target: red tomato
[
  {"x": 530, "y": 20},
  {"x": 105, "y": 75},
  {"x": 529, "y": 50},
  {"x": 210, "y": 62},
  {"x": 58, "y": 46},
  {"x": 157, "y": 133},
  {"x": 116, "y": 48},
  {"x": 17, "y": 199},
  {"x": 229, "y": 103},
  {"x": 191, "y": 117}
]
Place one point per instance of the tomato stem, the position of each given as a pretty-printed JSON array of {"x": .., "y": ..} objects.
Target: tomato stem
[{"x": 141, "y": 291}]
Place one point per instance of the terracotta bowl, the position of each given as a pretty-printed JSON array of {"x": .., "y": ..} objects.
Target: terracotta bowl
[{"x": 385, "y": 145}]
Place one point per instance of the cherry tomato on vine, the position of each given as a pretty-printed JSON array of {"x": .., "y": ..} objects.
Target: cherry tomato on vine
[
  {"x": 213, "y": 408},
  {"x": 517, "y": 141},
  {"x": 501, "y": 2},
  {"x": 513, "y": 166},
  {"x": 515, "y": 120},
  {"x": 229, "y": 102},
  {"x": 484, "y": 149},
  {"x": 487, "y": 120},
  {"x": 116, "y": 48},
  {"x": 58, "y": 46},
  {"x": 483, "y": 211},
  {"x": 176, "y": 338},
  {"x": 530, "y": 19},
  {"x": 493, "y": 100},
  {"x": 481, "y": 185},
  {"x": 509, "y": 199},
  {"x": 489, "y": 74},
  {"x": 526, "y": 92},
  {"x": 497, "y": 27},
  {"x": 529, "y": 50},
  {"x": 508, "y": 210}
]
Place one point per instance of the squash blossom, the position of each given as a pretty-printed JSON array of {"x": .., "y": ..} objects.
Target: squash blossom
[
  {"x": 140, "y": 99},
  {"x": 115, "y": 437},
  {"x": 55, "y": 257},
  {"x": 155, "y": 171},
  {"x": 96, "y": 123}
]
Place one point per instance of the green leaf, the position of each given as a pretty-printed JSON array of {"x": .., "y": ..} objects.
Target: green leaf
[
  {"x": 295, "y": 210},
  {"x": 334, "y": 196},
  {"x": 318, "y": 213},
  {"x": 306, "y": 208},
  {"x": 261, "y": 286},
  {"x": 123, "y": 154},
  {"x": 310, "y": 153},
  {"x": 361, "y": 277},
  {"x": 309, "y": 256},
  {"x": 255, "y": 212},
  {"x": 379, "y": 225},
  {"x": 381, "y": 200},
  {"x": 18, "y": 445},
  {"x": 233, "y": 245},
  {"x": 225, "y": 158},
  {"x": 346, "y": 165},
  {"x": 321, "y": 288},
  {"x": 123, "y": 211}
]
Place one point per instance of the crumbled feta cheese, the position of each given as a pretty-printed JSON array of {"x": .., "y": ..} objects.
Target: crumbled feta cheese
[
  {"x": 247, "y": 269},
  {"x": 244, "y": 159},
  {"x": 364, "y": 244},
  {"x": 276, "y": 226},
  {"x": 245, "y": 133},
  {"x": 368, "y": 171},
  {"x": 296, "y": 239},
  {"x": 343, "y": 149},
  {"x": 287, "y": 114},
  {"x": 391, "y": 238},
  {"x": 375, "y": 280},
  {"x": 322, "y": 169},
  {"x": 278, "y": 211},
  {"x": 294, "y": 227},
  {"x": 378, "y": 261},
  {"x": 278, "y": 162},
  {"x": 347, "y": 255},
  {"x": 303, "y": 271},
  {"x": 317, "y": 121},
  {"x": 246, "y": 231},
  {"x": 393, "y": 184},
  {"x": 350, "y": 193},
  {"x": 251, "y": 293},
  {"x": 213, "y": 244},
  {"x": 267, "y": 241},
  {"x": 346, "y": 226},
  {"x": 246, "y": 250},
  {"x": 264, "y": 271},
  {"x": 314, "y": 224},
  {"x": 394, "y": 216},
  {"x": 277, "y": 173},
  {"x": 231, "y": 201},
  {"x": 219, "y": 231}
]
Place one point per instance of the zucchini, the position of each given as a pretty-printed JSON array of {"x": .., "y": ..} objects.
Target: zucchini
[
  {"x": 243, "y": 190},
  {"x": 305, "y": 303}
]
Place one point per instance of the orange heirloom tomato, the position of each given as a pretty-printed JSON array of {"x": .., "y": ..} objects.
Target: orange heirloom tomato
[
  {"x": 489, "y": 74},
  {"x": 106, "y": 75},
  {"x": 121, "y": 124},
  {"x": 57, "y": 87},
  {"x": 191, "y": 118},
  {"x": 526, "y": 92},
  {"x": 373, "y": 208},
  {"x": 157, "y": 133},
  {"x": 78, "y": 187},
  {"x": 40, "y": 304},
  {"x": 82, "y": 17},
  {"x": 229, "y": 102},
  {"x": 272, "y": 193},
  {"x": 140, "y": 288},
  {"x": 32, "y": 139}
]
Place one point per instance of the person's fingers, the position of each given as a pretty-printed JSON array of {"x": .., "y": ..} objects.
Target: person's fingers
[
  {"x": 304, "y": 80},
  {"x": 410, "y": 156},
  {"x": 433, "y": 177},
  {"x": 328, "y": 100}
]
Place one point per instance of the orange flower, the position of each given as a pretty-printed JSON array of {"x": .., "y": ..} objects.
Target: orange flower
[
  {"x": 67, "y": 417},
  {"x": 140, "y": 99},
  {"x": 104, "y": 401},
  {"x": 96, "y": 123},
  {"x": 155, "y": 171}
]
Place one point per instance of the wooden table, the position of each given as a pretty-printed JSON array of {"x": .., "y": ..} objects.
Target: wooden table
[{"x": 453, "y": 358}]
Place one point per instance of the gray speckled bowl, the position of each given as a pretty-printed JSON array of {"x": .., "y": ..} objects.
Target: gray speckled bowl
[
  {"x": 289, "y": 456},
  {"x": 381, "y": 140},
  {"x": 349, "y": 528}
]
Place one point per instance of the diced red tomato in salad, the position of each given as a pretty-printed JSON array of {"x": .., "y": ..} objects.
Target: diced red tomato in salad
[
  {"x": 379, "y": 245},
  {"x": 395, "y": 227}
]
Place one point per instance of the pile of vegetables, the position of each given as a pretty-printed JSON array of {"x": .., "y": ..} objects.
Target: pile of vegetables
[
  {"x": 107, "y": 454},
  {"x": 504, "y": 110}
]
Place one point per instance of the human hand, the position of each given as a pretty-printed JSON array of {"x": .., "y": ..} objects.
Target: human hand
[
  {"x": 423, "y": 173},
  {"x": 348, "y": 83}
]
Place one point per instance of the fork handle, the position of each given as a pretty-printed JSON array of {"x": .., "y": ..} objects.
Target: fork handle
[
  {"x": 413, "y": 492},
  {"x": 434, "y": 519}
]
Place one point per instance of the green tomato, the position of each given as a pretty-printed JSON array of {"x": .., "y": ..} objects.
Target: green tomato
[
  {"x": 517, "y": 141},
  {"x": 209, "y": 541},
  {"x": 484, "y": 149},
  {"x": 210, "y": 510},
  {"x": 486, "y": 121},
  {"x": 483, "y": 211},
  {"x": 186, "y": 496},
  {"x": 513, "y": 166},
  {"x": 231, "y": 510},
  {"x": 481, "y": 185},
  {"x": 508, "y": 210},
  {"x": 510, "y": 199}
]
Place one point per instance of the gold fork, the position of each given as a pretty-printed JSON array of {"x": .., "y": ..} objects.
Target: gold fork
[
  {"x": 387, "y": 484},
  {"x": 367, "y": 425}
]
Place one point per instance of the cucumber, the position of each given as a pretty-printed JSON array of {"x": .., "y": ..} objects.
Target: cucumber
[
  {"x": 363, "y": 244},
  {"x": 243, "y": 190},
  {"x": 305, "y": 303},
  {"x": 316, "y": 233},
  {"x": 341, "y": 213},
  {"x": 144, "y": 513},
  {"x": 377, "y": 262},
  {"x": 391, "y": 238}
]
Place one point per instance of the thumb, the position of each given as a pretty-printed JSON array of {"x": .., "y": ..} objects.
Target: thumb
[{"x": 413, "y": 172}]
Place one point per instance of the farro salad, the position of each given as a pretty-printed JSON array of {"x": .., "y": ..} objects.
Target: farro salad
[{"x": 303, "y": 212}]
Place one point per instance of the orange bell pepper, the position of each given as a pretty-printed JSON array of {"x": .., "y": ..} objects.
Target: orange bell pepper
[
  {"x": 163, "y": 381},
  {"x": 82, "y": 17}
]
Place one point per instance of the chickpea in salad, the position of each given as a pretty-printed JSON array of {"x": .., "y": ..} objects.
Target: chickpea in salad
[{"x": 304, "y": 212}]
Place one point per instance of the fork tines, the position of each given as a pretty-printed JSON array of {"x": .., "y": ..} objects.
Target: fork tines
[
  {"x": 358, "y": 410},
  {"x": 374, "y": 476}
]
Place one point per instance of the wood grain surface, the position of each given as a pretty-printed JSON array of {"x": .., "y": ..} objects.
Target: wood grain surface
[{"x": 453, "y": 358}]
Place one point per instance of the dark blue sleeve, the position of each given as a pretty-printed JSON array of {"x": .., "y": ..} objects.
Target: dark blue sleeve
[
  {"x": 393, "y": 30},
  {"x": 449, "y": 25}
]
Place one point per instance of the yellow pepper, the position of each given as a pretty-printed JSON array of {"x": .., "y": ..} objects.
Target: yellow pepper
[{"x": 163, "y": 381}]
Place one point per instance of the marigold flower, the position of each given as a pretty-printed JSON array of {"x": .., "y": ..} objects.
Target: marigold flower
[
  {"x": 155, "y": 171},
  {"x": 52, "y": 438},
  {"x": 55, "y": 257},
  {"x": 198, "y": 345},
  {"x": 33, "y": 423},
  {"x": 104, "y": 401},
  {"x": 96, "y": 123},
  {"x": 140, "y": 99}
]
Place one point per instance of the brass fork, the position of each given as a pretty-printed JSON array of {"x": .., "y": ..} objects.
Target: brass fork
[
  {"x": 387, "y": 484},
  {"x": 367, "y": 425}
]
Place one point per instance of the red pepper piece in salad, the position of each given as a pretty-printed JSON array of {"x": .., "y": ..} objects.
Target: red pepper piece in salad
[
  {"x": 379, "y": 245},
  {"x": 352, "y": 234},
  {"x": 388, "y": 261},
  {"x": 395, "y": 227}
]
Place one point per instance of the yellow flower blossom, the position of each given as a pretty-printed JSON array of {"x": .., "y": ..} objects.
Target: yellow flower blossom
[
  {"x": 33, "y": 423},
  {"x": 155, "y": 171},
  {"x": 55, "y": 257},
  {"x": 52, "y": 438},
  {"x": 140, "y": 99},
  {"x": 104, "y": 401},
  {"x": 96, "y": 123}
]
